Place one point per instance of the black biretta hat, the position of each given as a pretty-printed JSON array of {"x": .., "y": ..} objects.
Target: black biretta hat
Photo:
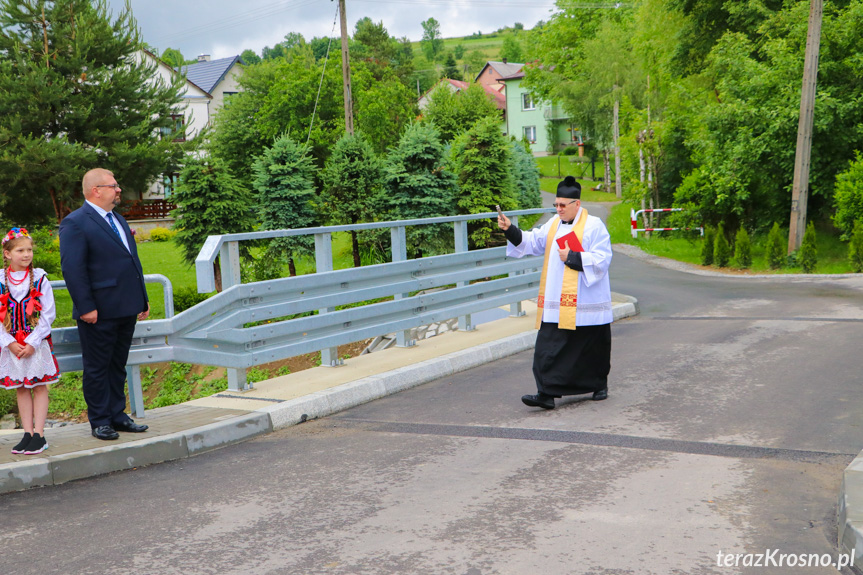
[{"x": 569, "y": 189}]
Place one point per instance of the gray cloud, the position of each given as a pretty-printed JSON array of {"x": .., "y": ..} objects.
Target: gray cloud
[{"x": 227, "y": 27}]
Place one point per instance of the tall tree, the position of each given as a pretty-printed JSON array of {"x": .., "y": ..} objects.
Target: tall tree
[
  {"x": 483, "y": 162},
  {"x": 450, "y": 69},
  {"x": 285, "y": 185},
  {"x": 210, "y": 201},
  {"x": 456, "y": 112},
  {"x": 525, "y": 175},
  {"x": 419, "y": 184},
  {"x": 173, "y": 57},
  {"x": 250, "y": 57},
  {"x": 76, "y": 95},
  {"x": 384, "y": 106},
  {"x": 511, "y": 50},
  {"x": 432, "y": 41},
  {"x": 352, "y": 182}
]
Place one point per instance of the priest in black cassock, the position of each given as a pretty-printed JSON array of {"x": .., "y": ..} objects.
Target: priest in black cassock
[{"x": 574, "y": 315}]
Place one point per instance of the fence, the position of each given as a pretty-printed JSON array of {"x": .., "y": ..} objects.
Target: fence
[
  {"x": 261, "y": 322},
  {"x": 633, "y": 216}
]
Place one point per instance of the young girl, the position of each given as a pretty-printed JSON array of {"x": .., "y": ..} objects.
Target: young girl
[{"x": 27, "y": 362}]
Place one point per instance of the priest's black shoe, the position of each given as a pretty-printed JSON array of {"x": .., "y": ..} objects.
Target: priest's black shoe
[
  {"x": 131, "y": 427},
  {"x": 600, "y": 395},
  {"x": 105, "y": 432},
  {"x": 539, "y": 400}
]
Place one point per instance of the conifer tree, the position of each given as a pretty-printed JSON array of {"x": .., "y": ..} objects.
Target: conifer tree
[
  {"x": 707, "y": 246},
  {"x": 75, "y": 94},
  {"x": 742, "y": 249},
  {"x": 721, "y": 249},
  {"x": 526, "y": 174},
  {"x": 808, "y": 254},
  {"x": 352, "y": 181},
  {"x": 775, "y": 248},
  {"x": 210, "y": 202},
  {"x": 482, "y": 161},
  {"x": 855, "y": 247},
  {"x": 284, "y": 182},
  {"x": 419, "y": 185}
]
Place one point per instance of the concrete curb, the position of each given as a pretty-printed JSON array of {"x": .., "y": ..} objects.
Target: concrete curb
[
  {"x": 850, "y": 512},
  {"x": 57, "y": 469},
  {"x": 54, "y": 470}
]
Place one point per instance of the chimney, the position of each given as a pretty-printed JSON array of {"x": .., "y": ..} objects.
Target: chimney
[{"x": 204, "y": 58}]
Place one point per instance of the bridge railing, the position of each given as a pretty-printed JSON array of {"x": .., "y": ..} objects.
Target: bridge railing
[{"x": 260, "y": 322}]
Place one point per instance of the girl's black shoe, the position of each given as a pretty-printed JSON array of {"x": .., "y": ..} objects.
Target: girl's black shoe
[
  {"x": 36, "y": 445},
  {"x": 22, "y": 445}
]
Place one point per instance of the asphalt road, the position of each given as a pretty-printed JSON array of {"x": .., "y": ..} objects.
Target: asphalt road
[{"x": 734, "y": 407}]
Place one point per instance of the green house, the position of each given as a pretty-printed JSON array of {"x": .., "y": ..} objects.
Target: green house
[{"x": 545, "y": 125}]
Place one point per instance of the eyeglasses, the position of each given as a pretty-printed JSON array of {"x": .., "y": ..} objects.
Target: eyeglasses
[
  {"x": 561, "y": 206},
  {"x": 115, "y": 186}
]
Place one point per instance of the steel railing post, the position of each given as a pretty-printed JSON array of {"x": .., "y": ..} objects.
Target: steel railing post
[
  {"x": 398, "y": 236},
  {"x": 461, "y": 246},
  {"x": 324, "y": 263},
  {"x": 515, "y": 307},
  {"x": 229, "y": 263}
]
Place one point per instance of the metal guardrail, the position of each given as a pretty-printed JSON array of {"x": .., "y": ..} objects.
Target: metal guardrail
[{"x": 261, "y": 322}]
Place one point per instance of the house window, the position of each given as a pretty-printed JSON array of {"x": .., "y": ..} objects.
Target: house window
[
  {"x": 170, "y": 184},
  {"x": 575, "y": 135},
  {"x": 527, "y": 102},
  {"x": 177, "y": 129},
  {"x": 530, "y": 134}
]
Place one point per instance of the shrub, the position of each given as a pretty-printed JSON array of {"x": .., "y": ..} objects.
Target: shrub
[
  {"x": 808, "y": 254},
  {"x": 776, "y": 255},
  {"x": 855, "y": 248},
  {"x": 569, "y": 151},
  {"x": 186, "y": 297},
  {"x": 7, "y": 402},
  {"x": 141, "y": 235},
  {"x": 721, "y": 249},
  {"x": 848, "y": 197},
  {"x": 161, "y": 234},
  {"x": 254, "y": 375},
  {"x": 742, "y": 249},
  {"x": 46, "y": 249},
  {"x": 707, "y": 246}
]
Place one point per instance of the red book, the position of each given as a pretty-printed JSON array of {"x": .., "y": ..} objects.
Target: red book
[{"x": 570, "y": 240}]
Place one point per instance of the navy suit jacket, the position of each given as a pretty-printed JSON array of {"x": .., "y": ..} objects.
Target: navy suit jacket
[{"x": 100, "y": 272}]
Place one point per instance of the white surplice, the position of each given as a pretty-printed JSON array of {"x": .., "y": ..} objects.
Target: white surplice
[{"x": 594, "y": 289}]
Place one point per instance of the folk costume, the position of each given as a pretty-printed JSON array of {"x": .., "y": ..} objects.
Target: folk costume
[
  {"x": 573, "y": 346},
  {"x": 20, "y": 300}
]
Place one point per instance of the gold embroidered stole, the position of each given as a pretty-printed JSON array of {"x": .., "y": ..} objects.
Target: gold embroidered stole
[{"x": 569, "y": 290}]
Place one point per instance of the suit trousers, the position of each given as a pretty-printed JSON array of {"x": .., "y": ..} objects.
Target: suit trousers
[{"x": 104, "y": 350}]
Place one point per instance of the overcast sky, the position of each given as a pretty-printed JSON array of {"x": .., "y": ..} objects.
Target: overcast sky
[{"x": 227, "y": 27}]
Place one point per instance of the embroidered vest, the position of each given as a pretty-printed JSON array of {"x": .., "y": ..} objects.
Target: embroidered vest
[{"x": 19, "y": 310}]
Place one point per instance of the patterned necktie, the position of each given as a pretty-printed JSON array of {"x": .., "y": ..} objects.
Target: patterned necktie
[{"x": 113, "y": 225}]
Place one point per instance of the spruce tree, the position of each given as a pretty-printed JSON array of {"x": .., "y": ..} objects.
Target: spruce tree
[
  {"x": 742, "y": 249},
  {"x": 707, "y": 247},
  {"x": 420, "y": 185},
  {"x": 284, "y": 182},
  {"x": 721, "y": 249},
  {"x": 775, "y": 248},
  {"x": 210, "y": 202},
  {"x": 526, "y": 175},
  {"x": 74, "y": 95},
  {"x": 855, "y": 247},
  {"x": 808, "y": 254},
  {"x": 352, "y": 182},
  {"x": 482, "y": 160}
]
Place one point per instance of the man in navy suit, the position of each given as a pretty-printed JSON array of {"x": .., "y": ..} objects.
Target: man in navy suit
[{"x": 104, "y": 277}]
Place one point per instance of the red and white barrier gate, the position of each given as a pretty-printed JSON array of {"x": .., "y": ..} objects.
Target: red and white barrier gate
[{"x": 633, "y": 215}]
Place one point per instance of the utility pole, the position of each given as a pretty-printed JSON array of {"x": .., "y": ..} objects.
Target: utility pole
[
  {"x": 346, "y": 71},
  {"x": 618, "y": 183},
  {"x": 800, "y": 187}
]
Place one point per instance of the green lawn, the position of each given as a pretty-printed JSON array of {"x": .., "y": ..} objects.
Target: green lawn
[
  {"x": 562, "y": 166},
  {"x": 686, "y": 246}
]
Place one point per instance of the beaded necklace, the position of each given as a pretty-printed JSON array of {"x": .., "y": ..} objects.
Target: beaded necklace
[{"x": 12, "y": 280}]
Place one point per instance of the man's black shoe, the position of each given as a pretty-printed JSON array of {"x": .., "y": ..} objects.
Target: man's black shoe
[
  {"x": 600, "y": 395},
  {"x": 131, "y": 427},
  {"x": 538, "y": 400},
  {"x": 105, "y": 432}
]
